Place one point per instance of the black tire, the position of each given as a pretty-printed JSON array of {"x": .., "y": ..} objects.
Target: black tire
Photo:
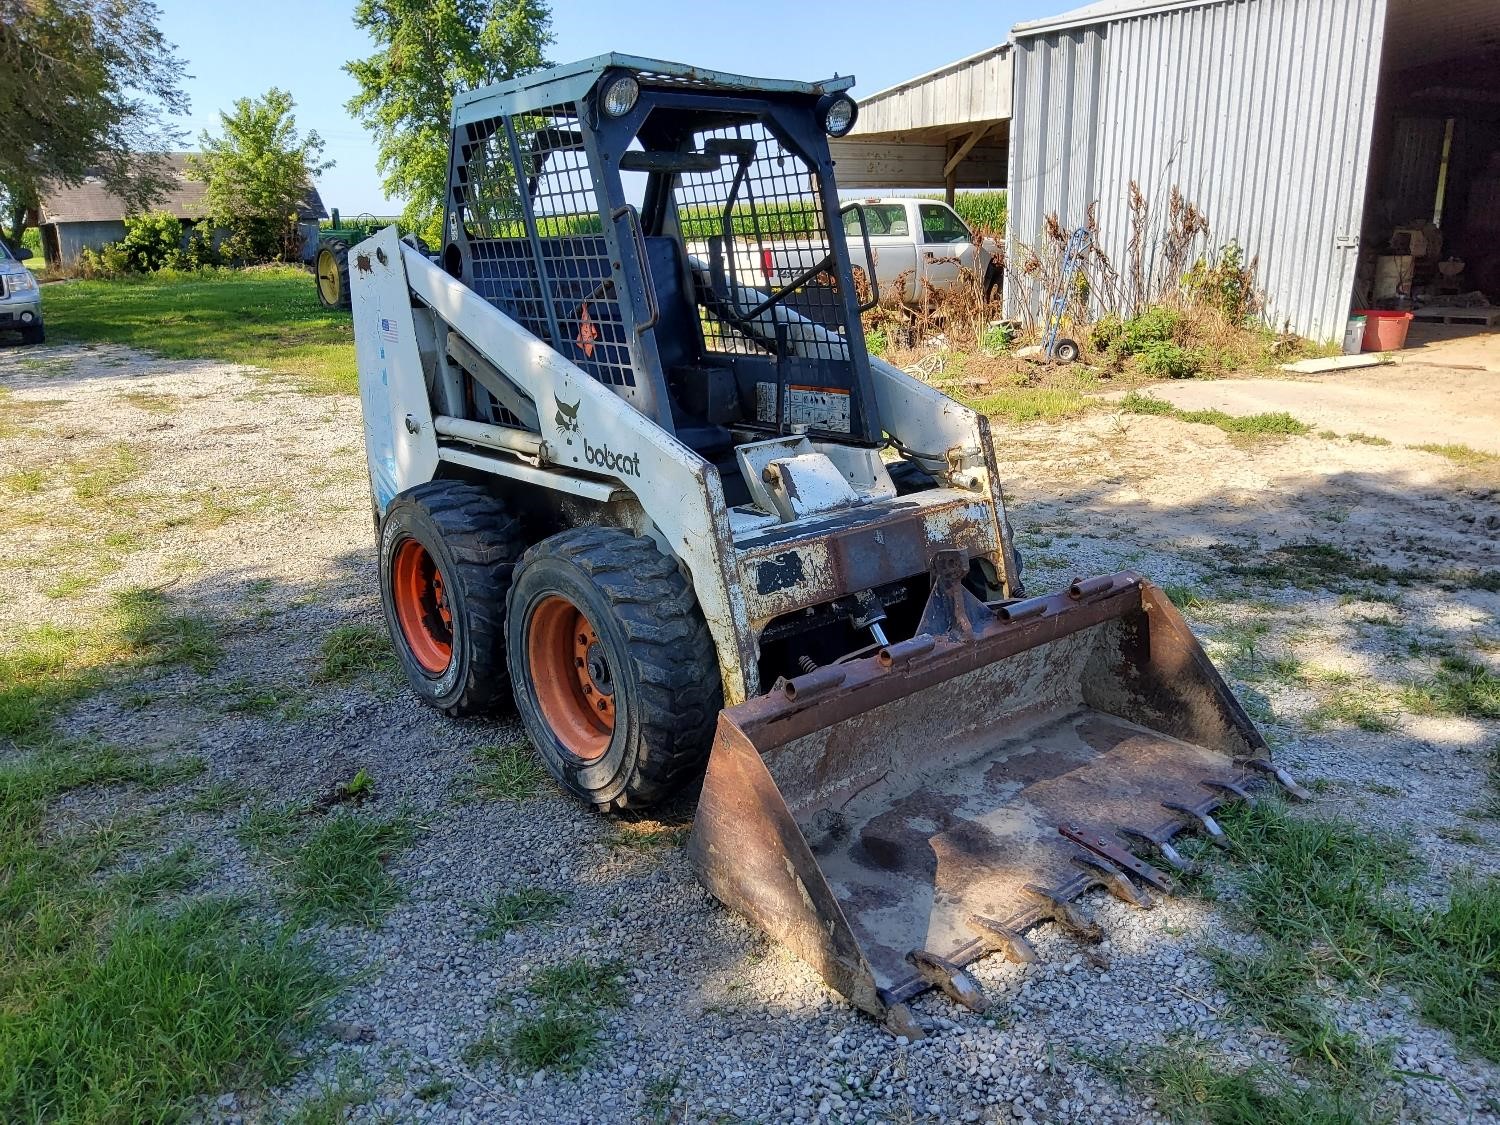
[
  {"x": 34, "y": 334},
  {"x": 331, "y": 275},
  {"x": 472, "y": 544},
  {"x": 1066, "y": 351},
  {"x": 994, "y": 286},
  {"x": 659, "y": 668}
]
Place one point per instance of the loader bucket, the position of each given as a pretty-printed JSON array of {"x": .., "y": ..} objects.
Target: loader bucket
[{"x": 895, "y": 817}]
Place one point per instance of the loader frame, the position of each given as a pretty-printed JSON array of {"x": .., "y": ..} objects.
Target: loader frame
[{"x": 461, "y": 378}]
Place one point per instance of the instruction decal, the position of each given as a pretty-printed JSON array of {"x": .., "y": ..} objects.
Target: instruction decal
[{"x": 817, "y": 408}]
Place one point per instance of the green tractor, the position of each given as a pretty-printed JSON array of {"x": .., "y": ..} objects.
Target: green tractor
[{"x": 332, "y": 261}]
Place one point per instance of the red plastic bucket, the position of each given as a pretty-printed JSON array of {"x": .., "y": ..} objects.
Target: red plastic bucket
[{"x": 1385, "y": 331}]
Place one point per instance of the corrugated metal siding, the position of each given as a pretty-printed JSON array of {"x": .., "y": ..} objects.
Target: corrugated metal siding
[
  {"x": 971, "y": 90},
  {"x": 1260, "y": 111}
]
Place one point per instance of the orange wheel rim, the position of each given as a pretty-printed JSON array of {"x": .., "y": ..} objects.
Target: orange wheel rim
[
  {"x": 422, "y": 607},
  {"x": 574, "y": 685}
]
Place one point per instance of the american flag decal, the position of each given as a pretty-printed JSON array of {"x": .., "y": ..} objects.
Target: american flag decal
[{"x": 388, "y": 330}]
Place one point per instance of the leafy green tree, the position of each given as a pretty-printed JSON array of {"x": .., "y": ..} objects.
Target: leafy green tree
[
  {"x": 152, "y": 241},
  {"x": 429, "y": 51},
  {"x": 85, "y": 89},
  {"x": 258, "y": 174}
]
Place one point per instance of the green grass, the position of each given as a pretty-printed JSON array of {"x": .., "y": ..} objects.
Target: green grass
[
  {"x": 269, "y": 317},
  {"x": 1030, "y": 404},
  {"x": 266, "y": 828},
  {"x": 1460, "y": 686},
  {"x": 1368, "y": 439},
  {"x": 565, "y": 1035},
  {"x": 509, "y": 772},
  {"x": 114, "y": 1009},
  {"x": 168, "y": 639},
  {"x": 339, "y": 872},
  {"x": 1191, "y": 1082},
  {"x": 47, "y": 668},
  {"x": 1312, "y": 565},
  {"x": 1271, "y": 987},
  {"x": 352, "y": 650},
  {"x": 1461, "y": 454},
  {"x": 555, "y": 1040},
  {"x": 1278, "y": 424},
  {"x": 165, "y": 1007},
  {"x": 333, "y": 1101},
  {"x": 514, "y": 909},
  {"x": 1326, "y": 895},
  {"x": 580, "y": 982},
  {"x": 1357, "y": 707}
]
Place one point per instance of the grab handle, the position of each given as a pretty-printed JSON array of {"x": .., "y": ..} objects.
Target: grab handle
[{"x": 639, "y": 238}]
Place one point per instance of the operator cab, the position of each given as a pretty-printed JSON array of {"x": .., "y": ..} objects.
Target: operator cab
[{"x": 722, "y": 306}]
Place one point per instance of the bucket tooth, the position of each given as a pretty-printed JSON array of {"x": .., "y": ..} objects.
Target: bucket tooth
[
  {"x": 1107, "y": 849},
  {"x": 1007, "y": 941},
  {"x": 956, "y": 984},
  {"x": 1231, "y": 789},
  {"x": 900, "y": 1021},
  {"x": 1065, "y": 914},
  {"x": 1164, "y": 848},
  {"x": 1209, "y": 825},
  {"x": 1282, "y": 778},
  {"x": 1114, "y": 880}
]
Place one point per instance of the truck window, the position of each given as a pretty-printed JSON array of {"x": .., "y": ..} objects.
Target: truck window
[
  {"x": 884, "y": 220},
  {"x": 941, "y": 225}
]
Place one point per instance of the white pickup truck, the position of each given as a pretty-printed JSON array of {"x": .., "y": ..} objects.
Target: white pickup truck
[{"x": 912, "y": 239}]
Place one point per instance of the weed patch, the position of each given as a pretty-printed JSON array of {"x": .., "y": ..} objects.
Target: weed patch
[
  {"x": 339, "y": 872},
  {"x": 1030, "y": 404},
  {"x": 526, "y": 907},
  {"x": 555, "y": 1040},
  {"x": 118, "y": 1011},
  {"x": 1278, "y": 424},
  {"x": 1326, "y": 893},
  {"x": 1460, "y": 686},
  {"x": 1315, "y": 565},
  {"x": 352, "y": 650},
  {"x": 1464, "y": 455},
  {"x": 580, "y": 982},
  {"x": 1191, "y": 1082},
  {"x": 508, "y": 773}
]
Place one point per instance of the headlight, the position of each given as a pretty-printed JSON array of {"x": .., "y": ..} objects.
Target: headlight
[
  {"x": 839, "y": 114},
  {"x": 620, "y": 95},
  {"x": 19, "y": 282}
]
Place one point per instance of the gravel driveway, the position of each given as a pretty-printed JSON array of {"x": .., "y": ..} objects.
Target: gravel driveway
[{"x": 717, "y": 1023}]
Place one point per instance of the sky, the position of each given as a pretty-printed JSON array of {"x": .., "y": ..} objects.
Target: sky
[{"x": 237, "y": 49}]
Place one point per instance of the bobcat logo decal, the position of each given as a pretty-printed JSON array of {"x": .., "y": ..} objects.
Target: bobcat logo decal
[{"x": 567, "y": 416}]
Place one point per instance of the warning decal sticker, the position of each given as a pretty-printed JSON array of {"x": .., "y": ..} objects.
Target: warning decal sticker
[{"x": 817, "y": 408}]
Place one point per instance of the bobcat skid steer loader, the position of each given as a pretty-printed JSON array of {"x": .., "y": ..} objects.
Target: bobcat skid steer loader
[{"x": 695, "y": 529}]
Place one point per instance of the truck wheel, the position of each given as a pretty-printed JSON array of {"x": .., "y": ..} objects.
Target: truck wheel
[
  {"x": 994, "y": 286},
  {"x": 332, "y": 267},
  {"x": 613, "y": 668},
  {"x": 447, "y": 550}
]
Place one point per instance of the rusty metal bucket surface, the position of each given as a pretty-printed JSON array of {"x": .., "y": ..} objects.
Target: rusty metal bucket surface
[{"x": 895, "y": 817}]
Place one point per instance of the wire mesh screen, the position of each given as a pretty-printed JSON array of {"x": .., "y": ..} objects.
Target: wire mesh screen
[
  {"x": 758, "y": 220},
  {"x": 560, "y": 286}
]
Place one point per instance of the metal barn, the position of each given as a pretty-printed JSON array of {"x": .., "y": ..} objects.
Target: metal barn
[{"x": 1351, "y": 146}]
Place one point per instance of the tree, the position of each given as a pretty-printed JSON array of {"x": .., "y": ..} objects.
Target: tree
[
  {"x": 431, "y": 50},
  {"x": 85, "y": 89},
  {"x": 258, "y": 174}
]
